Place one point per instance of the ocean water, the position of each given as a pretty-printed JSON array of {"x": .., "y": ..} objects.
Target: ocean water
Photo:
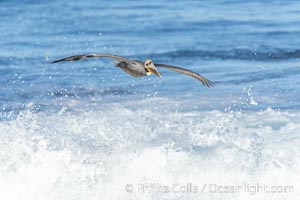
[{"x": 87, "y": 130}]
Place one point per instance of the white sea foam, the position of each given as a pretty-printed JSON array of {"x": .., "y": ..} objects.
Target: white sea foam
[{"x": 125, "y": 153}]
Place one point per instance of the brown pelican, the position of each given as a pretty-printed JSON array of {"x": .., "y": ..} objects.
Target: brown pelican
[{"x": 138, "y": 68}]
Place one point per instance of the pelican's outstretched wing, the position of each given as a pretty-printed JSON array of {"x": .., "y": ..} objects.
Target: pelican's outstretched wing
[
  {"x": 195, "y": 75},
  {"x": 96, "y": 55}
]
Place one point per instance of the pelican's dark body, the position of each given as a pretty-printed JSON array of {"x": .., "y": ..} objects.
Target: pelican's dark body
[{"x": 136, "y": 69}]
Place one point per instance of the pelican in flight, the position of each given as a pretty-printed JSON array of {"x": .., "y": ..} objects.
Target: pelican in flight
[{"x": 138, "y": 68}]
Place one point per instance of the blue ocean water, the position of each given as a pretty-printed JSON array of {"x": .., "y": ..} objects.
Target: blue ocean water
[{"x": 85, "y": 129}]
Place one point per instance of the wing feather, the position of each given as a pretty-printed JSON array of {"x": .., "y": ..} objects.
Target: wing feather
[
  {"x": 97, "y": 55},
  {"x": 188, "y": 72}
]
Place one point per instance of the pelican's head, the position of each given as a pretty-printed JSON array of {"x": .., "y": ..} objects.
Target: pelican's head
[{"x": 150, "y": 68}]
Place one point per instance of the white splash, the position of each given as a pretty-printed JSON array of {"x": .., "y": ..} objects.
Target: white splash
[{"x": 122, "y": 153}]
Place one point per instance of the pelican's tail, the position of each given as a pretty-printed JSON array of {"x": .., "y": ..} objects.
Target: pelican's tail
[{"x": 117, "y": 64}]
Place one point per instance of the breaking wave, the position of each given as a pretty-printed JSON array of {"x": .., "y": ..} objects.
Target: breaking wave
[{"x": 97, "y": 154}]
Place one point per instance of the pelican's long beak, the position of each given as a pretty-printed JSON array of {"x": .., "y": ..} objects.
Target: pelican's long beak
[{"x": 153, "y": 70}]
